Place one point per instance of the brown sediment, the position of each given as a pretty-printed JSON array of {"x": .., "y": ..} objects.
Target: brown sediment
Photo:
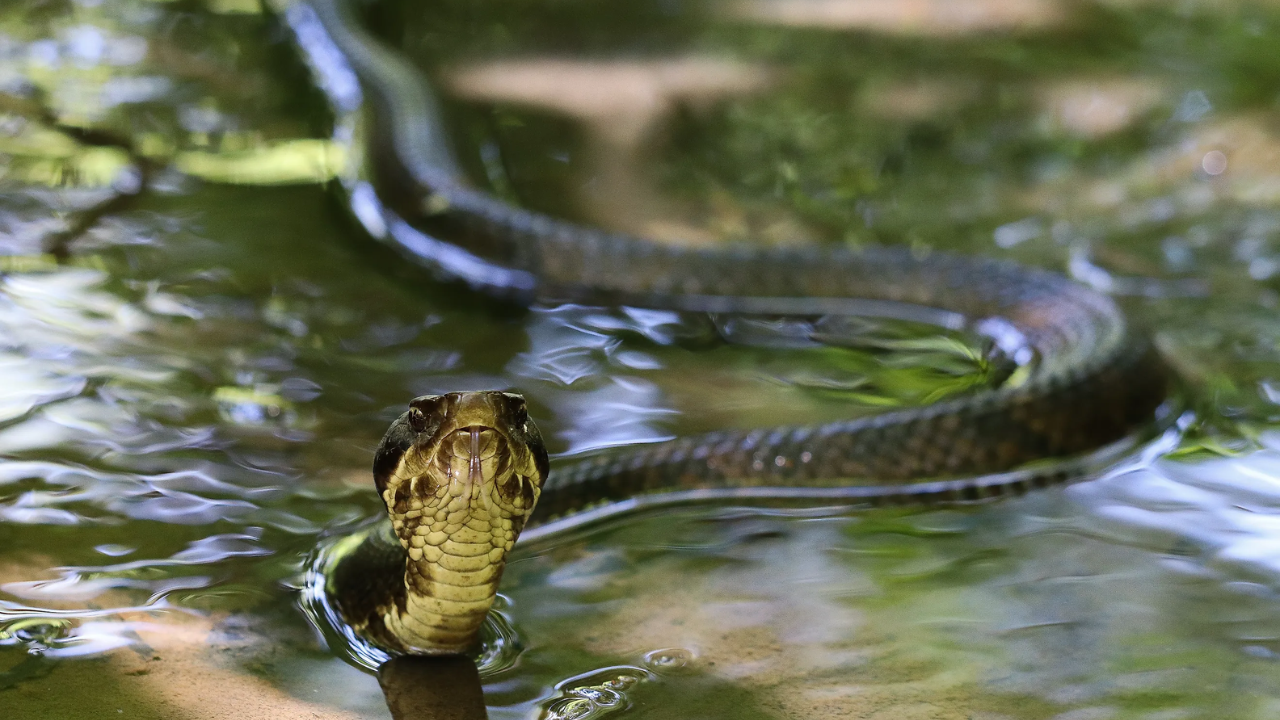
[
  {"x": 1235, "y": 158},
  {"x": 189, "y": 675},
  {"x": 178, "y": 668},
  {"x": 743, "y": 643},
  {"x": 748, "y": 639},
  {"x": 621, "y": 105},
  {"x": 621, "y": 99},
  {"x": 1096, "y": 107},
  {"x": 938, "y": 18}
]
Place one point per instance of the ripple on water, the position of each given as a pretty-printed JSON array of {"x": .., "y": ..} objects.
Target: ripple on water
[
  {"x": 499, "y": 645},
  {"x": 100, "y": 430},
  {"x": 1225, "y": 513},
  {"x": 804, "y": 609},
  {"x": 1148, "y": 587},
  {"x": 595, "y": 694}
]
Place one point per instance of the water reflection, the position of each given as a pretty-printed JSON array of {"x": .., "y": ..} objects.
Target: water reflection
[
  {"x": 859, "y": 614},
  {"x": 431, "y": 687}
]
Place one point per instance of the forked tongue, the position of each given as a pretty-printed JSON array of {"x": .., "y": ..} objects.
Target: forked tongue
[{"x": 474, "y": 475}]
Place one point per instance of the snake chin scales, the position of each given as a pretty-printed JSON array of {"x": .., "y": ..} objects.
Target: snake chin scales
[{"x": 459, "y": 474}]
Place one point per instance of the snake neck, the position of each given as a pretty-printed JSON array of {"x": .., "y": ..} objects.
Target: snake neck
[
  {"x": 453, "y": 563},
  {"x": 442, "y": 609}
]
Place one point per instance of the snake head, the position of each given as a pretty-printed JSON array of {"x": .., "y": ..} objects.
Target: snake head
[
  {"x": 459, "y": 474},
  {"x": 461, "y": 460}
]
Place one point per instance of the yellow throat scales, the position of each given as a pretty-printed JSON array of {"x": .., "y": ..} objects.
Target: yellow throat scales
[{"x": 459, "y": 474}]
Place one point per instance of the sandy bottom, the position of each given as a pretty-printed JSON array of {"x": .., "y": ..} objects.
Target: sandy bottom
[{"x": 181, "y": 666}]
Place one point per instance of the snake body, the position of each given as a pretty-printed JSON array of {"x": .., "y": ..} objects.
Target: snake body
[{"x": 1090, "y": 379}]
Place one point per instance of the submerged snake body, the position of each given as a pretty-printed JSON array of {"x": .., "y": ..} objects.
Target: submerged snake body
[{"x": 1091, "y": 380}]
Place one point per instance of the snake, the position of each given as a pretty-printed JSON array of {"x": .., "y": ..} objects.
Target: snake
[{"x": 461, "y": 474}]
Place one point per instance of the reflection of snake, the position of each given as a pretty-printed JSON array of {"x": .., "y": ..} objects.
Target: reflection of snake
[{"x": 1088, "y": 381}]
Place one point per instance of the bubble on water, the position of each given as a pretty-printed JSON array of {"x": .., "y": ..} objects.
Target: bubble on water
[
  {"x": 668, "y": 659},
  {"x": 1214, "y": 162}
]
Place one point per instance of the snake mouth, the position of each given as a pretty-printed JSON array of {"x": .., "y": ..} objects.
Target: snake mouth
[{"x": 473, "y": 457}]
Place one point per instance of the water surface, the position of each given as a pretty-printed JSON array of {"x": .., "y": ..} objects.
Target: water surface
[{"x": 188, "y": 405}]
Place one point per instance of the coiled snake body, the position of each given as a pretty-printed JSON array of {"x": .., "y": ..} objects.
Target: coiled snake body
[{"x": 460, "y": 473}]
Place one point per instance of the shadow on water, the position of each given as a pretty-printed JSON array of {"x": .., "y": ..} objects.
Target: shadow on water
[{"x": 188, "y": 403}]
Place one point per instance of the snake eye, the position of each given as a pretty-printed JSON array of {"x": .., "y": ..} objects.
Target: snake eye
[
  {"x": 426, "y": 412},
  {"x": 519, "y": 409}
]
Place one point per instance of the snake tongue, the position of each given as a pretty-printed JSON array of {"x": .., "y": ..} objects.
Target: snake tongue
[{"x": 475, "y": 475}]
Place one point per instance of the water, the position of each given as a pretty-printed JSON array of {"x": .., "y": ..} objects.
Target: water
[{"x": 189, "y": 405}]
